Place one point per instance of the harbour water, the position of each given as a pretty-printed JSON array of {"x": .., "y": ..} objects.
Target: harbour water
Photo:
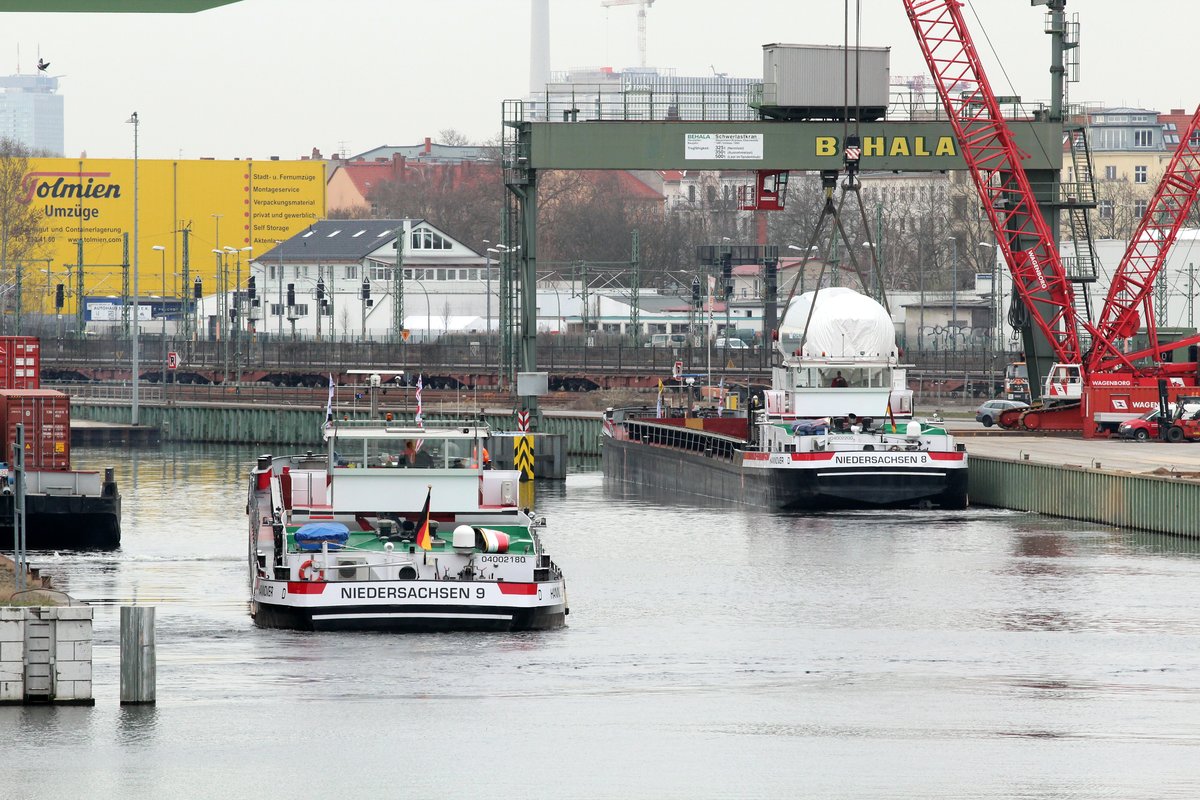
[{"x": 709, "y": 653}]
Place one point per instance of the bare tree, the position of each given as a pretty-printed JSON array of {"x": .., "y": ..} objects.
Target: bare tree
[
  {"x": 464, "y": 200},
  {"x": 353, "y": 212},
  {"x": 453, "y": 137},
  {"x": 20, "y": 223},
  {"x": 1120, "y": 207}
]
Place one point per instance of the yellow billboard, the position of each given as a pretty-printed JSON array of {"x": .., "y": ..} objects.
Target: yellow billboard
[{"x": 245, "y": 206}]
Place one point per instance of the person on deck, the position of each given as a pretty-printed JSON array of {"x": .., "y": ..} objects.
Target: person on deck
[
  {"x": 838, "y": 381},
  {"x": 410, "y": 453},
  {"x": 487, "y": 458}
]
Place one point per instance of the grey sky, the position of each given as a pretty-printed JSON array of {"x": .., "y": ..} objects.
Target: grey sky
[{"x": 279, "y": 77}]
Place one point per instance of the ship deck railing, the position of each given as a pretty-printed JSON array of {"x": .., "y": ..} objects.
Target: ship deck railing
[{"x": 709, "y": 443}]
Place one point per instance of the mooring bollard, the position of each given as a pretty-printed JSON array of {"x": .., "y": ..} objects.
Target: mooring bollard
[{"x": 137, "y": 655}]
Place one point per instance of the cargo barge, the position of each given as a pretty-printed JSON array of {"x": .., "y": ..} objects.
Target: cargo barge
[
  {"x": 835, "y": 430},
  {"x": 64, "y": 508}
]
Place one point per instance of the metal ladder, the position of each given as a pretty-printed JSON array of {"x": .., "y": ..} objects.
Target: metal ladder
[
  {"x": 1077, "y": 197},
  {"x": 39, "y": 658}
]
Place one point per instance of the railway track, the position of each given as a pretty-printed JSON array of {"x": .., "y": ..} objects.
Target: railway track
[{"x": 399, "y": 399}]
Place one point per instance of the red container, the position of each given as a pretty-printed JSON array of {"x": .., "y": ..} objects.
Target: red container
[
  {"x": 46, "y": 415},
  {"x": 20, "y": 362}
]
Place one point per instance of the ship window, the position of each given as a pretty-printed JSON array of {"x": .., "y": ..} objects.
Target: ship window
[
  {"x": 806, "y": 378},
  {"x": 457, "y": 449}
]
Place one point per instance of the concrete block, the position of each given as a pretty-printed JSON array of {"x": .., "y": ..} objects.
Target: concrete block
[
  {"x": 11, "y": 614},
  {"x": 73, "y": 612},
  {"x": 12, "y": 671},
  {"x": 83, "y": 652},
  {"x": 11, "y": 631},
  {"x": 83, "y": 690},
  {"x": 12, "y": 651},
  {"x": 64, "y": 690},
  {"x": 73, "y": 670},
  {"x": 72, "y": 631},
  {"x": 12, "y": 690}
]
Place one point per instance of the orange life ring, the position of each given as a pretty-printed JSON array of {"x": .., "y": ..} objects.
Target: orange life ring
[{"x": 317, "y": 575}]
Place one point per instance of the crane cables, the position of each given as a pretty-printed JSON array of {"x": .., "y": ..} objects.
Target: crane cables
[{"x": 852, "y": 151}]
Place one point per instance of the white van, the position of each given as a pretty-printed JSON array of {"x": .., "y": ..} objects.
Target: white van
[{"x": 668, "y": 340}]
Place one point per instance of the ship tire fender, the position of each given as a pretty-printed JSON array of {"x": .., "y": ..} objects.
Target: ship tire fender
[{"x": 315, "y": 575}]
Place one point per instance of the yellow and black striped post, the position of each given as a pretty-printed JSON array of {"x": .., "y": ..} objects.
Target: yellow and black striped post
[{"x": 523, "y": 447}]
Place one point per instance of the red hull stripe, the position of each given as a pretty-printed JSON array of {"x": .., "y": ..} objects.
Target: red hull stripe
[
  {"x": 795, "y": 456},
  {"x": 517, "y": 588},
  {"x": 828, "y": 456},
  {"x": 306, "y": 587}
]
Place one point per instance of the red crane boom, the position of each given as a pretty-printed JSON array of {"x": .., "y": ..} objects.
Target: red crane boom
[
  {"x": 993, "y": 159},
  {"x": 1134, "y": 280}
]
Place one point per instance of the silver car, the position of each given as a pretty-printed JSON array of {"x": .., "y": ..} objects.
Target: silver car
[{"x": 990, "y": 411}]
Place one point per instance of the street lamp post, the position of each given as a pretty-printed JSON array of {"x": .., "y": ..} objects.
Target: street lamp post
[
  {"x": 237, "y": 322},
  {"x": 133, "y": 416},
  {"x": 803, "y": 264},
  {"x": 498, "y": 249},
  {"x": 220, "y": 279},
  {"x": 992, "y": 338},
  {"x": 428, "y": 313},
  {"x": 222, "y": 302}
]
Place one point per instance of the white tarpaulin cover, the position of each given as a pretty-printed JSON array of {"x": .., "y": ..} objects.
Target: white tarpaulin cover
[{"x": 845, "y": 324}]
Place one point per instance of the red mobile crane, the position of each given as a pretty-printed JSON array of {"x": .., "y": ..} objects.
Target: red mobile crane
[
  {"x": 1076, "y": 382},
  {"x": 1106, "y": 402}
]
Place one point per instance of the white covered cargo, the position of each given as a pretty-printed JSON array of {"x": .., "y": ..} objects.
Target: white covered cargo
[{"x": 844, "y": 325}]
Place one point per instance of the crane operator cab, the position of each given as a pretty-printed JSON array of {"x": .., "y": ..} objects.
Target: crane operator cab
[{"x": 1065, "y": 382}]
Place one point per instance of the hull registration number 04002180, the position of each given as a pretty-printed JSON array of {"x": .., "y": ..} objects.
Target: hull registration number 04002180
[{"x": 503, "y": 559}]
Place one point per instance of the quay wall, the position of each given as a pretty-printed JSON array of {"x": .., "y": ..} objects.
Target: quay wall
[
  {"x": 1162, "y": 504},
  {"x": 301, "y": 425}
]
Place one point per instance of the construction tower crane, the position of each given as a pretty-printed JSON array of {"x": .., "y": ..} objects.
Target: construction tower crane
[
  {"x": 641, "y": 14},
  {"x": 1081, "y": 393}
]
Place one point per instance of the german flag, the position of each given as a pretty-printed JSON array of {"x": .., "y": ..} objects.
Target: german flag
[{"x": 424, "y": 540}]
